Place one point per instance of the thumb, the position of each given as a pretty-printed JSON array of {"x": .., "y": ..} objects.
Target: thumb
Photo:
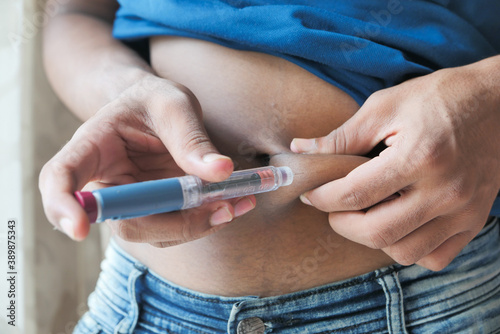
[
  {"x": 187, "y": 141},
  {"x": 358, "y": 136}
]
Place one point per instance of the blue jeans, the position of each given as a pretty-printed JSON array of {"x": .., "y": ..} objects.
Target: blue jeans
[{"x": 462, "y": 298}]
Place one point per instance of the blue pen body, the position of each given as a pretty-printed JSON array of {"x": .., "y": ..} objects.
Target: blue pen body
[{"x": 139, "y": 199}]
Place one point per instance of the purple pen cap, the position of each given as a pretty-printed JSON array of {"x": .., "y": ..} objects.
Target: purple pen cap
[{"x": 88, "y": 203}]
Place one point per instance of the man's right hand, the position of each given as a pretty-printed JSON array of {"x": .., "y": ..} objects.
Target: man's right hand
[{"x": 152, "y": 130}]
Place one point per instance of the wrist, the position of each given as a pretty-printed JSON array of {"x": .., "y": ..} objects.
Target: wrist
[
  {"x": 114, "y": 85},
  {"x": 125, "y": 78},
  {"x": 148, "y": 94},
  {"x": 486, "y": 75}
]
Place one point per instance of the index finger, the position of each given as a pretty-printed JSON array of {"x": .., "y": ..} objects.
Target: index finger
[
  {"x": 69, "y": 170},
  {"x": 366, "y": 185}
]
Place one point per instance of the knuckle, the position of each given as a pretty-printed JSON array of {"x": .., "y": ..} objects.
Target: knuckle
[
  {"x": 336, "y": 141},
  {"x": 53, "y": 168},
  {"x": 188, "y": 232},
  {"x": 50, "y": 207},
  {"x": 459, "y": 191},
  {"x": 194, "y": 225},
  {"x": 435, "y": 152},
  {"x": 432, "y": 158},
  {"x": 175, "y": 102},
  {"x": 179, "y": 99},
  {"x": 48, "y": 174},
  {"x": 340, "y": 140},
  {"x": 182, "y": 98},
  {"x": 378, "y": 240},
  {"x": 403, "y": 255},
  {"x": 356, "y": 199},
  {"x": 376, "y": 100},
  {"x": 434, "y": 262},
  {"x": 195, "y": 139},
  {"x": 42, "y": 178},
  {"x": 127, "y": 230},
  {"x": 188, "y": 216}
]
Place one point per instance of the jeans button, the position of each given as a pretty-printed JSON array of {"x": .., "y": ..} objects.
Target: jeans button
[{"x": 252, "y": 325}]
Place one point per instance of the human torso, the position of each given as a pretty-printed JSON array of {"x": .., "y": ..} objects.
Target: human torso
[{"x": 253, "y": 106}]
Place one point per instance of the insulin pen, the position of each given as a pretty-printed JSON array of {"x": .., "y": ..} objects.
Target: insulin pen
[{"x": 179, "y": 193}]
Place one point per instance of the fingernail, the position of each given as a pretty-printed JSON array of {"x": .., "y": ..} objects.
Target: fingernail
[
  {"x": 211, "y": 157},
  {"x": 243, "y": 206},
  {"x": 300, "y": 145},
  {"x": 67, "y": 227},
  {"x": 305, "y": 200},
  {"x": 221, "y": 216}
]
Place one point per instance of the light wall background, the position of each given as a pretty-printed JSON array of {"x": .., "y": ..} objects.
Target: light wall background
[{"x": 54, "y": 274}]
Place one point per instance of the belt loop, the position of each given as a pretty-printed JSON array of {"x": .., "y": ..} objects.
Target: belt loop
[
  {"x": 128, "y": 323},
  {"x": 232, "y": 321},
  {"x": 394, "y": 300}
]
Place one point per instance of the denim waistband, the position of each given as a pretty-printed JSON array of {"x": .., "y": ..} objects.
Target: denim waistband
[{"x": 130, "y": 298}]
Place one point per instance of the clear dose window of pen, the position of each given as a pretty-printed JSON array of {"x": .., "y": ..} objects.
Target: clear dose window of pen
[
  {"x": 240, "y": 183},
  {"x": 247, "y": 182}
]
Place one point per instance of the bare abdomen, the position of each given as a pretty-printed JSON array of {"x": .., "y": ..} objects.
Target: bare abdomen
[{"x": 253, "y": 106}]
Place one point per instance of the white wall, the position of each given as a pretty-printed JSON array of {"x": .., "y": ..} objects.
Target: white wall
[
  {"x": 54, "y": 274},
  {"x": 11, "y": 159}
]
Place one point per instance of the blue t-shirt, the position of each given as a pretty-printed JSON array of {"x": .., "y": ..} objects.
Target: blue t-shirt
[{"x": 360, "y": 46}]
